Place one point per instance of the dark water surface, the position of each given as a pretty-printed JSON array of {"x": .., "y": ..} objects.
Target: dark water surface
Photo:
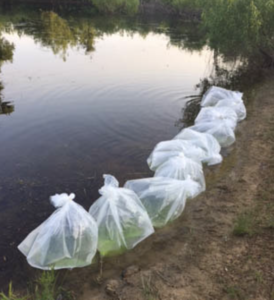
[{"x": 90, "y": 96}]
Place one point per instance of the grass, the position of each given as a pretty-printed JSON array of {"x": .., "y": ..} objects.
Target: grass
[
  {"x": 258, "y": 276},
  {"x": 244, "y": 224},
  {"x": 234, "y": 292},
  {"x": 11, "y": 295},
  {"x": 45, "y": 287},
  {"x": 150, "y": 292}
]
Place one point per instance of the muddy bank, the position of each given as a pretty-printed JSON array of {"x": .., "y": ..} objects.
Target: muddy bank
[{"x": 211, "y": 252}]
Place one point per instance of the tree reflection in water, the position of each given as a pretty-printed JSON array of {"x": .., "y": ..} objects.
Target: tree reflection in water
[{"x": 6, "y": 54}]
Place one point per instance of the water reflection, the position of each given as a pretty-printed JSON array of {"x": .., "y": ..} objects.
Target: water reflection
[
  {"x": 63, "y": 32},
  {"x": 6, "y": 54},
  {"x": 6, "y": 108},
  {"x": 78, "y": 118}
]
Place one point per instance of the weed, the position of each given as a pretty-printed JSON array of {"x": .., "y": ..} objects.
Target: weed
[
  {"x": 149, "y": 290},
  {"x": 258, "y": 276},
  {"x": 11, "y": 295},
  {"x": 45, "y": 286},
  {"x": 244, "y": 225},
  {"x": 234, "y": 292},
  {"x": 270, "y": 222}
]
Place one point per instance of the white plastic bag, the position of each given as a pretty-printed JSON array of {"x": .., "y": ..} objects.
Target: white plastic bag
[
  {"x": 67, "y": 239},
  {"x": 215, "y": 94},
  {"x": 180, "y": 167},
  {"x": 221, "y": 130},
  {"x": 167, "y": 149},
  {"x": 164, "y": 198},
  {"x": 212, "y": 114},
  {"x": 122, "y": 219},
  {"x": 205, "y": 141},
  {"x": 237, "y": 105}
]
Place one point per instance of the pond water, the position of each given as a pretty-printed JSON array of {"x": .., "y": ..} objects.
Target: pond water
[{"x": 88, "y": 97}]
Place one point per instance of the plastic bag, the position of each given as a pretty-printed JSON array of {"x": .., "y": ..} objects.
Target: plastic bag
[
  {"x": 211, "y": 114},
  {"x": 167, "y": 149},
  {"x": 121, "y": 217},
  {"x": 221, "y": 130},
  {"x": 237, "y": 105},
  {"x": 180, "y": 167},
  {"x": 67, "y": 239},
  {"x": 215, "y": 94},
  {"x": 164, "y": 198},
  {"x": 205, "y": 141}
]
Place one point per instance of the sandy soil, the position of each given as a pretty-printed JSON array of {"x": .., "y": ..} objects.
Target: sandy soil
[{"x": 200, "y": 257}]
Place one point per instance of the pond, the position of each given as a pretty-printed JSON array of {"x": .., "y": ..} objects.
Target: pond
[{"x": 83, "y": 97}]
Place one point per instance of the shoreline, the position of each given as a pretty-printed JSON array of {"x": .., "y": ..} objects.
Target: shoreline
[{"x": 201, "y": 256}]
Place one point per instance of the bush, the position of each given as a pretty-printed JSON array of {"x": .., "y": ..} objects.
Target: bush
[{"x": 112, "y": 6}]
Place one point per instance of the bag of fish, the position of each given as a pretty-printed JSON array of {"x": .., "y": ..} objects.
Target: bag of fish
[
  {"x": 218, "y": 121},
  {"x": 66, "y": 240},
  {"x": 207, "y": 142},
  {"x": 122, "y": 219},
  {"x": 237, "y": 105},
  {"x": 216, "y": 94},
  {"x": 164, "y": 198},
  {"x": 220, "y": 97},
  {"x": 223, "y": 133},
  {"x": 167, "y": 149},
  {"x": 212, "y": 114},
  {"x": 181, "y": 167}
]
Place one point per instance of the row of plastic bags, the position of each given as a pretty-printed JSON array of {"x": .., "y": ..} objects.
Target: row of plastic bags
[{"x": 123, "y": 217}]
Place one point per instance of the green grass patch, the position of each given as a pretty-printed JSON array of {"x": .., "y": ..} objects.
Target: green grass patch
[
  {"x": 245, "y": 224},
  {"x": 234, "y": 292},
  {"x": 11, "y": 295},
  {"x": 45, "y": 287}
]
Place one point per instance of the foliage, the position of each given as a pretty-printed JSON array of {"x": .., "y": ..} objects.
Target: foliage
[
  {"x": 6, "y": 50},
  {"x": 241, "y": 28},
  {"x": 11, "y": 295},
  {"x": 59, "y": 35},
  {"x": 244, "y": 225},
  {"x": 45, "y": 286},
  {"x": 180, "y": 5},
  {"x": 125, "y": 6}
]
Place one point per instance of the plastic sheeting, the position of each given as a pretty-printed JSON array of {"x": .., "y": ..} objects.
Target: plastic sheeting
[
  {"x": 216, "y": 94},
  {"x": 180, "y": 167},
  {"x": 205, "y": 141},
  {"x": 164, "y": 198},
  {"x": 67, "y": 239},
  {"x": 221, "y": 130},
  {"x": 212, "y": 114},
  {"x": 237, "y": 105},
  {"x": 122, "y": 220},
  {"x": 165, "y": 150}
]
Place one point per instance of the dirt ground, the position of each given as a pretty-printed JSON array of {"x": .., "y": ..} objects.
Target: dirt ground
[{"x": 223, "y": 245}]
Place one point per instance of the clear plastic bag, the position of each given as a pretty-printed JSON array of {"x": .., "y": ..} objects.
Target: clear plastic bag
[
  {"x": 205, "y": 141},
  {"x": 66, "y": 240},
  {"x": 122, "y": 219},
  {"x": 181, "y": 167},
  {"x": 212, "y": 114},
  {"x": 164, "y": 198},
  {"x": 221, "y": 130},
  {"x": 215, "y": 94},
  {"x": 167, "y": 149},
  {"x": 237, "y": 105}
]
